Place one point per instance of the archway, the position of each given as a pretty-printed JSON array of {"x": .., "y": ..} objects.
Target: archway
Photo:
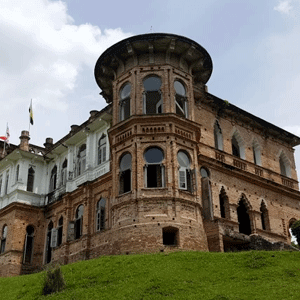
[{"x": 243, "y": 217}]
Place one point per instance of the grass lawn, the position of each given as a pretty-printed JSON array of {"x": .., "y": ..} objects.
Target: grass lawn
[{"x": 180, "y": 275}]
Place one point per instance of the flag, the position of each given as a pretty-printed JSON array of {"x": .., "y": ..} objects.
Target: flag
[
  {"x": 7, "y": 135},
  {"x": 3, "y": 138},
  {"x": 31, "y": 113}
]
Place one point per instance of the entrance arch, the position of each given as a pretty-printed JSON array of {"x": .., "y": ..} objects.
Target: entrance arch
[{"x": 243, "y": 216}]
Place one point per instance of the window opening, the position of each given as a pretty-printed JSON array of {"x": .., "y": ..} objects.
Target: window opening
[
  {"x": 285, "y": 168},
  {"x": 48, "y": 243},
  {"x": 102, "y": 149},
  {"x": 206, "y": 194},
  {"x": 170, "y": 236},
  {"x": 154, "y": 170},
  {"x": 81, "y": 159},
  {"x": 125, "y": 102},
  {"x": 265, "y": 225},
  {"x": 30, "y": 179},
  {"x": 78, "y": 221},
  {"x": 28, "y": 244},
  {"x": 60, "y": 231},
  {"x": 17, "y": 173},
  {"x": 243, "y": 218},
  {"x": 235, "y": 147},
  {"x": 185, "y": 176},
  {"x": 224, "y": 204},
  {"x": 53, "y": 178},
  {"x": 218, "y": 136},
  {"x": 152, "y": 95},
  {"x": 125, "y": 173},
  {"x": 100, "y": 225},
  {"x": 0, "y": 184},
  {"x": 64, "y": 172},
  {"x": 180, "y": 99},
  {"x": 3, "y": 239},
  {"x": 6, "y": 183}
]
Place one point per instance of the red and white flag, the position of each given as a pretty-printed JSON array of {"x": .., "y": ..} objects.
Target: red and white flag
[{"x": 7, "y": 135}]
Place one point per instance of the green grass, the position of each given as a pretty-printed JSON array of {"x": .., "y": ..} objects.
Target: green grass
[{"x": 181, "y": 275}]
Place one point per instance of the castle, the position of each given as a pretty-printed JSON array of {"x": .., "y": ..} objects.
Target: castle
[{"x": 165, "y": 165}]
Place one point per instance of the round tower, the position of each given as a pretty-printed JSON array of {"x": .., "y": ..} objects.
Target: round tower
[{"x": 152, "y": 80}]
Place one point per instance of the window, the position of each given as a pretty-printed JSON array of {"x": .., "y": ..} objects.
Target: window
[
  {"x": 48, "y": 243},
  {"x": 53, "y": 178},
  {"x": 256, "y": 153},
  {"x": 285, "y": 168},
  {"x": 224, "y": 204},
  {"x": 206, "y": 194},
  {"x": 218, "y": 136},
  {"x": 185, "y": 176},
  {"x": 78, "y": 221},
  {"x": 154, "y": 170},
  {"x": 100, "y": 215},
  {"x": 125, "y": 173},
  {"x": 180, "y": 99},
  {"x": 152, "y": 95},
  {"x": 125, "y": 102},
  {"x": 64, "y": 172},
  {"x": 81, "y": 159},
  {"x": 60, "y": 231},
  {"x": 243, "y": 217},
  {"x": 170, "y": 236},
  {"x": 17, "y": 173},
  {"x": 265, "y": 225},
  {"x": 0, "y": 184},
  {"x": 237, "y": 144},
  {"x": 28, "y": 249},
  {"x": 6, "y": 183},
  {"x": 102, "y": 149},
  {"x": 30, "y": 179},
  {"x": 3, "y": 239}
]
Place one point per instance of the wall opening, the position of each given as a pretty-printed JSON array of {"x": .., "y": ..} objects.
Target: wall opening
[
  {"x": 170, "y": 236},
  {"x": 243, "y": 218}
]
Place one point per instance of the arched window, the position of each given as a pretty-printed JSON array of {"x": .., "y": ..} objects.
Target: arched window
[
  {"x": 256, "y": 153},
  {"x": 28, "y": 249},
  {"x": 185, "y": 176},
  {"x": 152, "y": 96},
  {"x": 102, "y": 149},
  {"x": 224, "y": 204},
  {"x": 53, "y": 178},
  {"x": 285, "y": 168},
  {"x": 125, "y": 102},
  {"x": 6, "y": 183},
  {"x": 3, "y": 239},
  {"x": 100, "y": 215},
  {"x": 154, "y": 170},
  {"x": 17, "y": 173},
  {"x": 265, "y": 224},
  {"x": 180, "y": 99},
  {"x": 244, "y": 217},
  {"x": 125, "y": 173},
  {"x": 218, "y": 136},
  {"x": 206, "y": 194},
  {"x": 60, "y": 231},
  {"x": 64, "y": 172},
  {"x": 30, "y": 179},
  {"x": 48, "y": 243},
  {"x": 237, "y": 144},
  {"x": 78, "y": 221},
  {"x": 81, "y": 162}
]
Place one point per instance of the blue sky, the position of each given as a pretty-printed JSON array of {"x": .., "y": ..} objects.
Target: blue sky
[{"x": 49, "y": 50}]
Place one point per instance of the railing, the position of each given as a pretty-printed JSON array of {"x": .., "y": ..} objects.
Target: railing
[
  {"x": 220, "y": 156},
  {"x": 259, "y": 172},
  {"x": 287, "y": 182},
  {"x": 239, "y": 164}
]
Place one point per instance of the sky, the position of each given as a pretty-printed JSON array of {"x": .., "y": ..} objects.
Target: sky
[{"x": 49, "y": 48}]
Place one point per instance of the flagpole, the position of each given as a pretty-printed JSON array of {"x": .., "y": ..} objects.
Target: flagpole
[{"x": 3, "y": 153}]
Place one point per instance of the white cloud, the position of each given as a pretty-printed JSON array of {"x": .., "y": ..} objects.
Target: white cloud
[
  {"x": 284, "y": 7},
  {"x": 43, "y": 52}
]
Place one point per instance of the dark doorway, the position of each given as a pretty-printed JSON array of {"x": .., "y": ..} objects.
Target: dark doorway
[
  {"x": 243, "y": 218},
  {"x": 48, "y": 244},
  {"x": 170, "y": 236},
  {"x": 28, "y": 244}
]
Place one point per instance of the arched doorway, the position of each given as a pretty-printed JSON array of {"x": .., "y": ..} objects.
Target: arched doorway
[
  {"x": 48, "y": 243},
  {"x": 28, "y": 249},
  {"x": 243, "y": 217}
]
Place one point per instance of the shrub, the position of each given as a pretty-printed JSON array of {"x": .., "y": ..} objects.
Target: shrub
[
  {"x": 296, "y": 230},
  {"x": 53, "y": 281}
]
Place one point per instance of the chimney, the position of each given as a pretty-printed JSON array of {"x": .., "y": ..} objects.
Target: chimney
[
  {"x": 49, "y": 143},
  {"x": 73, "y": 128},
  {"x": 24, "y": 140}
]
